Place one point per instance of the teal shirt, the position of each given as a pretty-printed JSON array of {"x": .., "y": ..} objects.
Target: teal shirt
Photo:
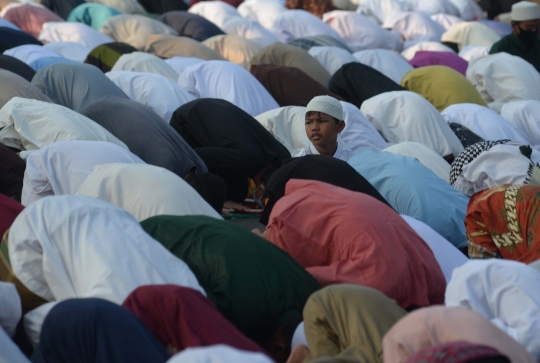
[{"x": 512, "y": 45}]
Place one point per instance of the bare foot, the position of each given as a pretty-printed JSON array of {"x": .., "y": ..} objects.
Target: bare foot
[{"x": 298, "y": 354}]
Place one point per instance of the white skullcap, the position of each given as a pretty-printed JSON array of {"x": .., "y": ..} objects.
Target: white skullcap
[
  {"x": 525, "y": 10},
  {"x": 326, "y": 104}
]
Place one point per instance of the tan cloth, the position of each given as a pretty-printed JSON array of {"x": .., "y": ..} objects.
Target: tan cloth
[
  {"x": 436, "y": 325},
  {"x": 346, "y": 323},
  {"x": 134, "y": 29},
  {"x": 470, "y": 33},
  {"x": 168, "y": 46},
  {"x": 233, "y": 48},
  {"x": 280, "y": 54}
]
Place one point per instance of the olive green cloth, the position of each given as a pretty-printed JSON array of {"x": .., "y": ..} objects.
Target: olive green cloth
[
  {"x": 254, "y": 284},
  {"x": 346, "y": 324}
]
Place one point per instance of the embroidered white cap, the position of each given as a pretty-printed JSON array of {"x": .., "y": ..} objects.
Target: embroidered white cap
[
  {"x": 326, "y": 104},
  {"x": 525, "y": 10}
]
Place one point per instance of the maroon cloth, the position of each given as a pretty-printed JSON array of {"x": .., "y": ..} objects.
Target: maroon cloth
[
  {"x": 457, "y": 352},
  {"x": 289, "y": 86},
  {"x": 9, "y": 210},
  {"x": 181, "y": 317},
  {"x": 426, "y": 58},
  {"x": 11, "y": 172}
]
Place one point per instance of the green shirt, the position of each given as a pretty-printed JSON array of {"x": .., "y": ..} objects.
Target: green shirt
[{"x": 512, "y": 45}]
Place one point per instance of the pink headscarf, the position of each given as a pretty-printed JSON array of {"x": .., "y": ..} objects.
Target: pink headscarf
[{"x": 30, "y": 18}]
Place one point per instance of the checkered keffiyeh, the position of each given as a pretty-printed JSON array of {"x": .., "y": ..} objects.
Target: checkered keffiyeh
[
  {"x": 455, "y": 352},
  {"x": 468, "y": 155}
]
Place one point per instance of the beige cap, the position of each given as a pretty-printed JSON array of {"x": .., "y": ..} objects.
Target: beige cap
[{"x": 525, "y": 10}]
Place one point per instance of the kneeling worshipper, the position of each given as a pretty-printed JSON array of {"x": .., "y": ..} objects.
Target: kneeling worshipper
[
  {"x": 407, "y": 116},
  {"x": 10, "y": 38},
  {"x": 27, "y": 125},
  {"x": 30, "y": 17},
  {"x": 465, "y": 33},
  {"x": 215, "y": 79},
  {"x": 16, "y": 66},
  {"x": 159, "y": 93},
  {"x": 169, "y": 46},
  {"x": 490, "y": 164},
  {"x": 62, "y": 167},
  {"x": 11, "y": 173},
  {"x": 411, "y": 188},
  {"x": 75, "y": 85},
  {"x": 235, "y": 48},
  {"x": 75, "y": 255},
  {"x": 361, "y": 250},
  {"x": 432, "y": 326},
  {"x": 356, "y": 82},
  {"x": 289, "y": 86},
  {"x": 232, "y": 144},
  {"x": 441, "y": 86},
  {"x": 9, "y": 210},
  {"x": 254, "y": 284},
  {"x": 96, "y": 331},
  {"x": 92, "y": 14},
  {"x": 144, "y": 63},
  {"x": 525, "y": 117},
  {"x": 181, "y": 318},
  {"x": 105, "y": 56},
  {"x": 191, "y": 25},
  {"x": 483, "y": 121},
  {"x": 322, "y": 168},
  {"x": 14, "y": 85},
  {"x": 505, "y": 293},
  {"x": 429, "y": 158},
  {"x": 346, "y": 323},
  {"x": 523, "y": 42},
  {"x": 280, "y": 54},
  {"x": 323, "y": 123},
  {"x": 501, "y": 222},
  {"x": 146, "y": 191},
  {"x": 449, "y": 59},
  {"x": 502, "y": 78},
  {"x": 218, "y": 354},
  {"x": 146, "y": 135}
]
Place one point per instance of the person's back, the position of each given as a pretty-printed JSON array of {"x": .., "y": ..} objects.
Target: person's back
[
  {"x": 523, "y": 42},
  {"x": 254, "y": 284}
]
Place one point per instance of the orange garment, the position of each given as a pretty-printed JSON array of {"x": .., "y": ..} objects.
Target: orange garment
[
  {"x": 503, "y": 222},
  {"x": 341, "y": 236},
  {"x": 30, "y": 18}
]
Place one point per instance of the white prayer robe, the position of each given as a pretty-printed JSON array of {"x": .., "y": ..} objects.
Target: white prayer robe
[
  {"x": 62, "y": 167},
  {"x": 145, "y": 63},
  {"x": 446, "y": 20},
  {"x": 158, "y": 92},
  {"x": 361, "y": 32},
  {"x": 381, "y": 9},
  {"x": 294, "y": 24},
  {"x": 230, "y": 82},
  {"x": 218, "y": 354},
  {"x": 471, "y": 52},
  {"x": 70, "y": 50},
  {"x": 250, "y": 30},
  {"x": 502, "y": 78},
  {"x": 72, "y": 32},
  {"x": 410, "y": 52},
  {"x": 429, "y": 158},
  {"x": 389, "y": 63},
  {"x": 30, "y": 52},
  {"x": 482, "y": 121},
  {"x": 145, "y": 191},
  {"x": 503, "y": 291},
  {"x": 447, "y": 255},
  {"x": 265, "y": 12},
  {"x": 524, "y": 116},
  {"x": 66, "y": 247},
  {"x": 218, "y": 12},
  {"x": 179, "y": 64},
  {"x": 30, "y": 124},
  {"x": 414, "y": 28},
  {"x": 407, "y": 116},
  {"x": 332, "y": 58}
]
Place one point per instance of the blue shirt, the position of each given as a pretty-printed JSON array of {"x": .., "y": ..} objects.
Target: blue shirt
[{"x": 414, "y": 190}]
